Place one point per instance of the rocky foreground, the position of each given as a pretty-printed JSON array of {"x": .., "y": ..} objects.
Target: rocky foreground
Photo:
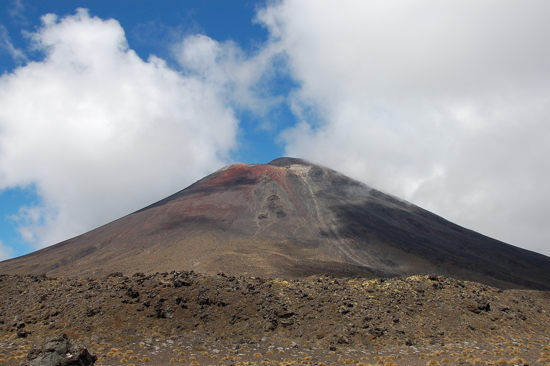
[{"x": 188, "y": 318}]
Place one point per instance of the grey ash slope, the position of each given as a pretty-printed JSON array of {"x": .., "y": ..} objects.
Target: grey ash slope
[{"x": 288, "y": 218}]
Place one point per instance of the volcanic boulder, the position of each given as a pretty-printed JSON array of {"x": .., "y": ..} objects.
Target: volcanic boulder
[{"x": 58, "y": 351}]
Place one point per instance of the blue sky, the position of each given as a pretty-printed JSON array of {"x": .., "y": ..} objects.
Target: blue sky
[{"x": 105, "y": 110}]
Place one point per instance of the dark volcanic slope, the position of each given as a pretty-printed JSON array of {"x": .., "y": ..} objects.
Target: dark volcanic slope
[{"x": 287, "y": 218}]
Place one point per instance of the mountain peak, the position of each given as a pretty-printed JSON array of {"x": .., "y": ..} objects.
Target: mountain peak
[
  {"x": 287, "y": 219},
  {"x": 286, "y": 161}
]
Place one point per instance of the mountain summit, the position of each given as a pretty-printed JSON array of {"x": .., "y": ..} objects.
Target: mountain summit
[{"x": 288, "y": 218}]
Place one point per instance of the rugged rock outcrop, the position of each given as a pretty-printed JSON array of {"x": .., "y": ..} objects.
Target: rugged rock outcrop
[{"x": 58, "y": 351}]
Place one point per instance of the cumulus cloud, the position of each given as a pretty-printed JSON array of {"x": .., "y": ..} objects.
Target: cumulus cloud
[
  {"x": 101, "y": 132},
  {"x": 445, "y": 104},
  {"x": 243, "y": 79}
]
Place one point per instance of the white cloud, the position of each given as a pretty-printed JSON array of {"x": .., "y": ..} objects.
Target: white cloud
[
  {"x": 242, "y": 79},
  {"x": 5, "y": 252},
  {"x": 7, "y": 46},
  {"x": 17, "y": 11},
  {"x": 445, "y": 104},
  {"x": 101, "y": 132}
]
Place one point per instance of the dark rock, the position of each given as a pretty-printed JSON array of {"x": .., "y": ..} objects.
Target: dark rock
[
  {"x": 58, "y": 351},
  {"x": 481, "y": 305},
  {"x": 342, "y": 340},
  {"x": 93, "y": 311},
  {"x": 131, "y": 293},
  {"x": 22, "y": 333},
  {"x": 162, "y": 311},
  {"x": 116, "y": 274},
  {"x": 203, "y": 299}
]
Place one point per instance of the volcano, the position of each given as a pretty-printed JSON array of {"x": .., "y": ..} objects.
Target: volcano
[{"x": 287, "y": 219}]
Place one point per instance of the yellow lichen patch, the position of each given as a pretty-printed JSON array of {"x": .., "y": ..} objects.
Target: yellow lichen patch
[
  {"x": 501, "y": 361},
  {"x": 517, "y": 361},
  {"x": 280, "y": 284},
  {"x": 115, "y": 354}
]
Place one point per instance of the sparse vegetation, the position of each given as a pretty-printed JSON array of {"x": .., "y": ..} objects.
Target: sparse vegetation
[{"x": 251, "y": 321}]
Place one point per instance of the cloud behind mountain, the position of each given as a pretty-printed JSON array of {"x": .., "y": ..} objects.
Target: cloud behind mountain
[{"x": 444, "y": 104}]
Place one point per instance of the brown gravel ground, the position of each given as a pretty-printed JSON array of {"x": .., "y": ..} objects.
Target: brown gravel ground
[{"x": 191, "y": 319}]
